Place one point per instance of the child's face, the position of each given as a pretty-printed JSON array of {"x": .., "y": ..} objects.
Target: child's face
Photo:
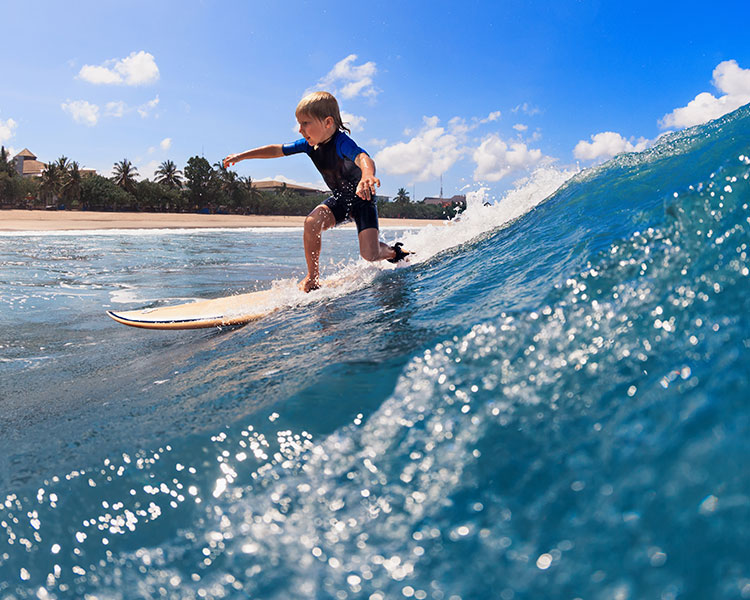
[{"x": 314, "y": 130}]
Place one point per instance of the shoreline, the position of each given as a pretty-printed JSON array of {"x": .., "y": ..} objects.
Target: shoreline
[{"x": 17, "y": 220}]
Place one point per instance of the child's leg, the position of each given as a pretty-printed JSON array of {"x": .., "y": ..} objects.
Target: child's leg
[
  {"x": 320, "y": 219},
  {"x": 371, "y": 248}
]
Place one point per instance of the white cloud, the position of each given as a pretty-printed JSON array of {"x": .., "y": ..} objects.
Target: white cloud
[
  {"x": 495, "y": 158},
  {"x": 7, "y": 130},
  {"x": 119, "y": 109},
  {"x": 458, "y": 126},
  {"x": 606, "y": 145},
  {"x": 354, "y": 122},
  {"x": 527, "y": 108},
  {"x": 83, "y": 112},
  {"x": 139, "y": 68},
  {"x": 146, "y": 109},
  {"x": 115, "y": 109},
  {"x": 493, "y": 116},
  {"x": 729, "y": 78},
  {"x": 164, "y": 145},
  {"x": 147, "y": 170},
  {"x": 520, "y": 127},
  {"x": 99, "y": 75},
  {"x": 427, "y": 155},
  {"x": 349, "y": 80}
]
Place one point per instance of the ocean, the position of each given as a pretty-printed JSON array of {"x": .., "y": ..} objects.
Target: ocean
[{"x": 551, "y": 401}]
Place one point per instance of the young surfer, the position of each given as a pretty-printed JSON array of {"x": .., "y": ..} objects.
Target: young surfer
[{"x": 347, "y": 170}]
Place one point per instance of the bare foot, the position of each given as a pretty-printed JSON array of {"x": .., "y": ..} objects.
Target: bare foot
[{"x": 308, "y": 284}]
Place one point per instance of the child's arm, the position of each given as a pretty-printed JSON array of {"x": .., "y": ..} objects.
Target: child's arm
[
  {"x": 368, "y": 183},
  {"x": 272, "y": 151}
]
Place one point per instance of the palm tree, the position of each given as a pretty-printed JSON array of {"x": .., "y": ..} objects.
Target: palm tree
[
  {"x": 50, "y": 183},
  {"x": 230, "y": 186},
  {"x": 252, "y": 191},
  {"x": 169, "y": 175},
  {"x": 248, "y": 196},
  {"x": 6, "y": 165},
  {"x": 402, "y": 195},
  {"x": 63, "y": 164},
  {"x": 124, "y": 174},
  {"x": 71, "y": 189},
  {"x": 225, "y": 177}
]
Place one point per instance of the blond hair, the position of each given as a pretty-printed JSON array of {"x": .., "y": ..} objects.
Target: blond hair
[{"x": 320, "y": 105}]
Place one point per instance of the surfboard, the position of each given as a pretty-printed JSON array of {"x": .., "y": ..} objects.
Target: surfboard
[
  {"x": 228, "y": 311},
  {"x": 217, "y": 312}
]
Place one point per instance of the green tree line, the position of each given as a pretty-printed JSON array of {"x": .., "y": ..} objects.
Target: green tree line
[{"x": 199, "y": 187}]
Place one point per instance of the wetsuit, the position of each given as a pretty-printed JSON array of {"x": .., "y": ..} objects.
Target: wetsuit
[{"x": 335, "y": 161}]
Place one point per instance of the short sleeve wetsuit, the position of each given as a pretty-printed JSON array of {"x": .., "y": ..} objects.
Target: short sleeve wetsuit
[{"x": 335, "y": 161}]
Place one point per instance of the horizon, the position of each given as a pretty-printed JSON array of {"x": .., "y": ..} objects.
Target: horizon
[{"x": 479, "y": 97}]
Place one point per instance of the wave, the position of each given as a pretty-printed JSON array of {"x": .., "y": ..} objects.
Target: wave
[{"x": 551, "y": 401}]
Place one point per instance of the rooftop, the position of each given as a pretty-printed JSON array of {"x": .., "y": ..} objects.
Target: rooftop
[{"x": 26, "y": 153}]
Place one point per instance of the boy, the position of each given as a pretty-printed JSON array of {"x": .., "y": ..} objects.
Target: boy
[{"x": 350, "y": 174}]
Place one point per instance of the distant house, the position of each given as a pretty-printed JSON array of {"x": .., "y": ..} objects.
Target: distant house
[
  {"x": 28, "y": 166},
  {"x": 457, "y": 199},
  {"x": 276, "y": 187}
]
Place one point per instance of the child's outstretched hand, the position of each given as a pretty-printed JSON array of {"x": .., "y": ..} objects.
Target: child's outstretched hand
[
  {"x": 230, "y": 160},
  {"x": 367, "y": 186}
]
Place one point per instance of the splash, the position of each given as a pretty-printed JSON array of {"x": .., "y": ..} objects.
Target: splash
[{"x": 482, "y": 217}]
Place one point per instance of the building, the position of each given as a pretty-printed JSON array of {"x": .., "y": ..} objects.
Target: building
[
  {"x": 27, "y": 165},
  {"x": 276, "y": 187}
]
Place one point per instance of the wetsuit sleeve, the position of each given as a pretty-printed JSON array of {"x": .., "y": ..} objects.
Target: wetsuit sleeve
[
  {"x": 296, "y": 147},
  {"x": 346, "y": 147}
]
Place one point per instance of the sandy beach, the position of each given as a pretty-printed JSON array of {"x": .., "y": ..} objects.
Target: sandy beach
[{"x": 42, "y": 220}]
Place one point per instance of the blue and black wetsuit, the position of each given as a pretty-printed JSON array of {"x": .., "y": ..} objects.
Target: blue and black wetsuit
[{"x": 335, "y": 161}]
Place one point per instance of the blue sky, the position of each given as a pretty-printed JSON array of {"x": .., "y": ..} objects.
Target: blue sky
[{"x": 482, "y": 93}]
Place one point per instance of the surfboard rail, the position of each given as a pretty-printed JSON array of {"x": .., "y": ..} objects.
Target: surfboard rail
[{"x": 195, "y": 323}]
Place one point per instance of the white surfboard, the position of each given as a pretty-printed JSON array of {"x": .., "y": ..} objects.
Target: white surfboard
[
  {"x": 228, "y": 311},
  {"x": 218, "y": 312}
]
